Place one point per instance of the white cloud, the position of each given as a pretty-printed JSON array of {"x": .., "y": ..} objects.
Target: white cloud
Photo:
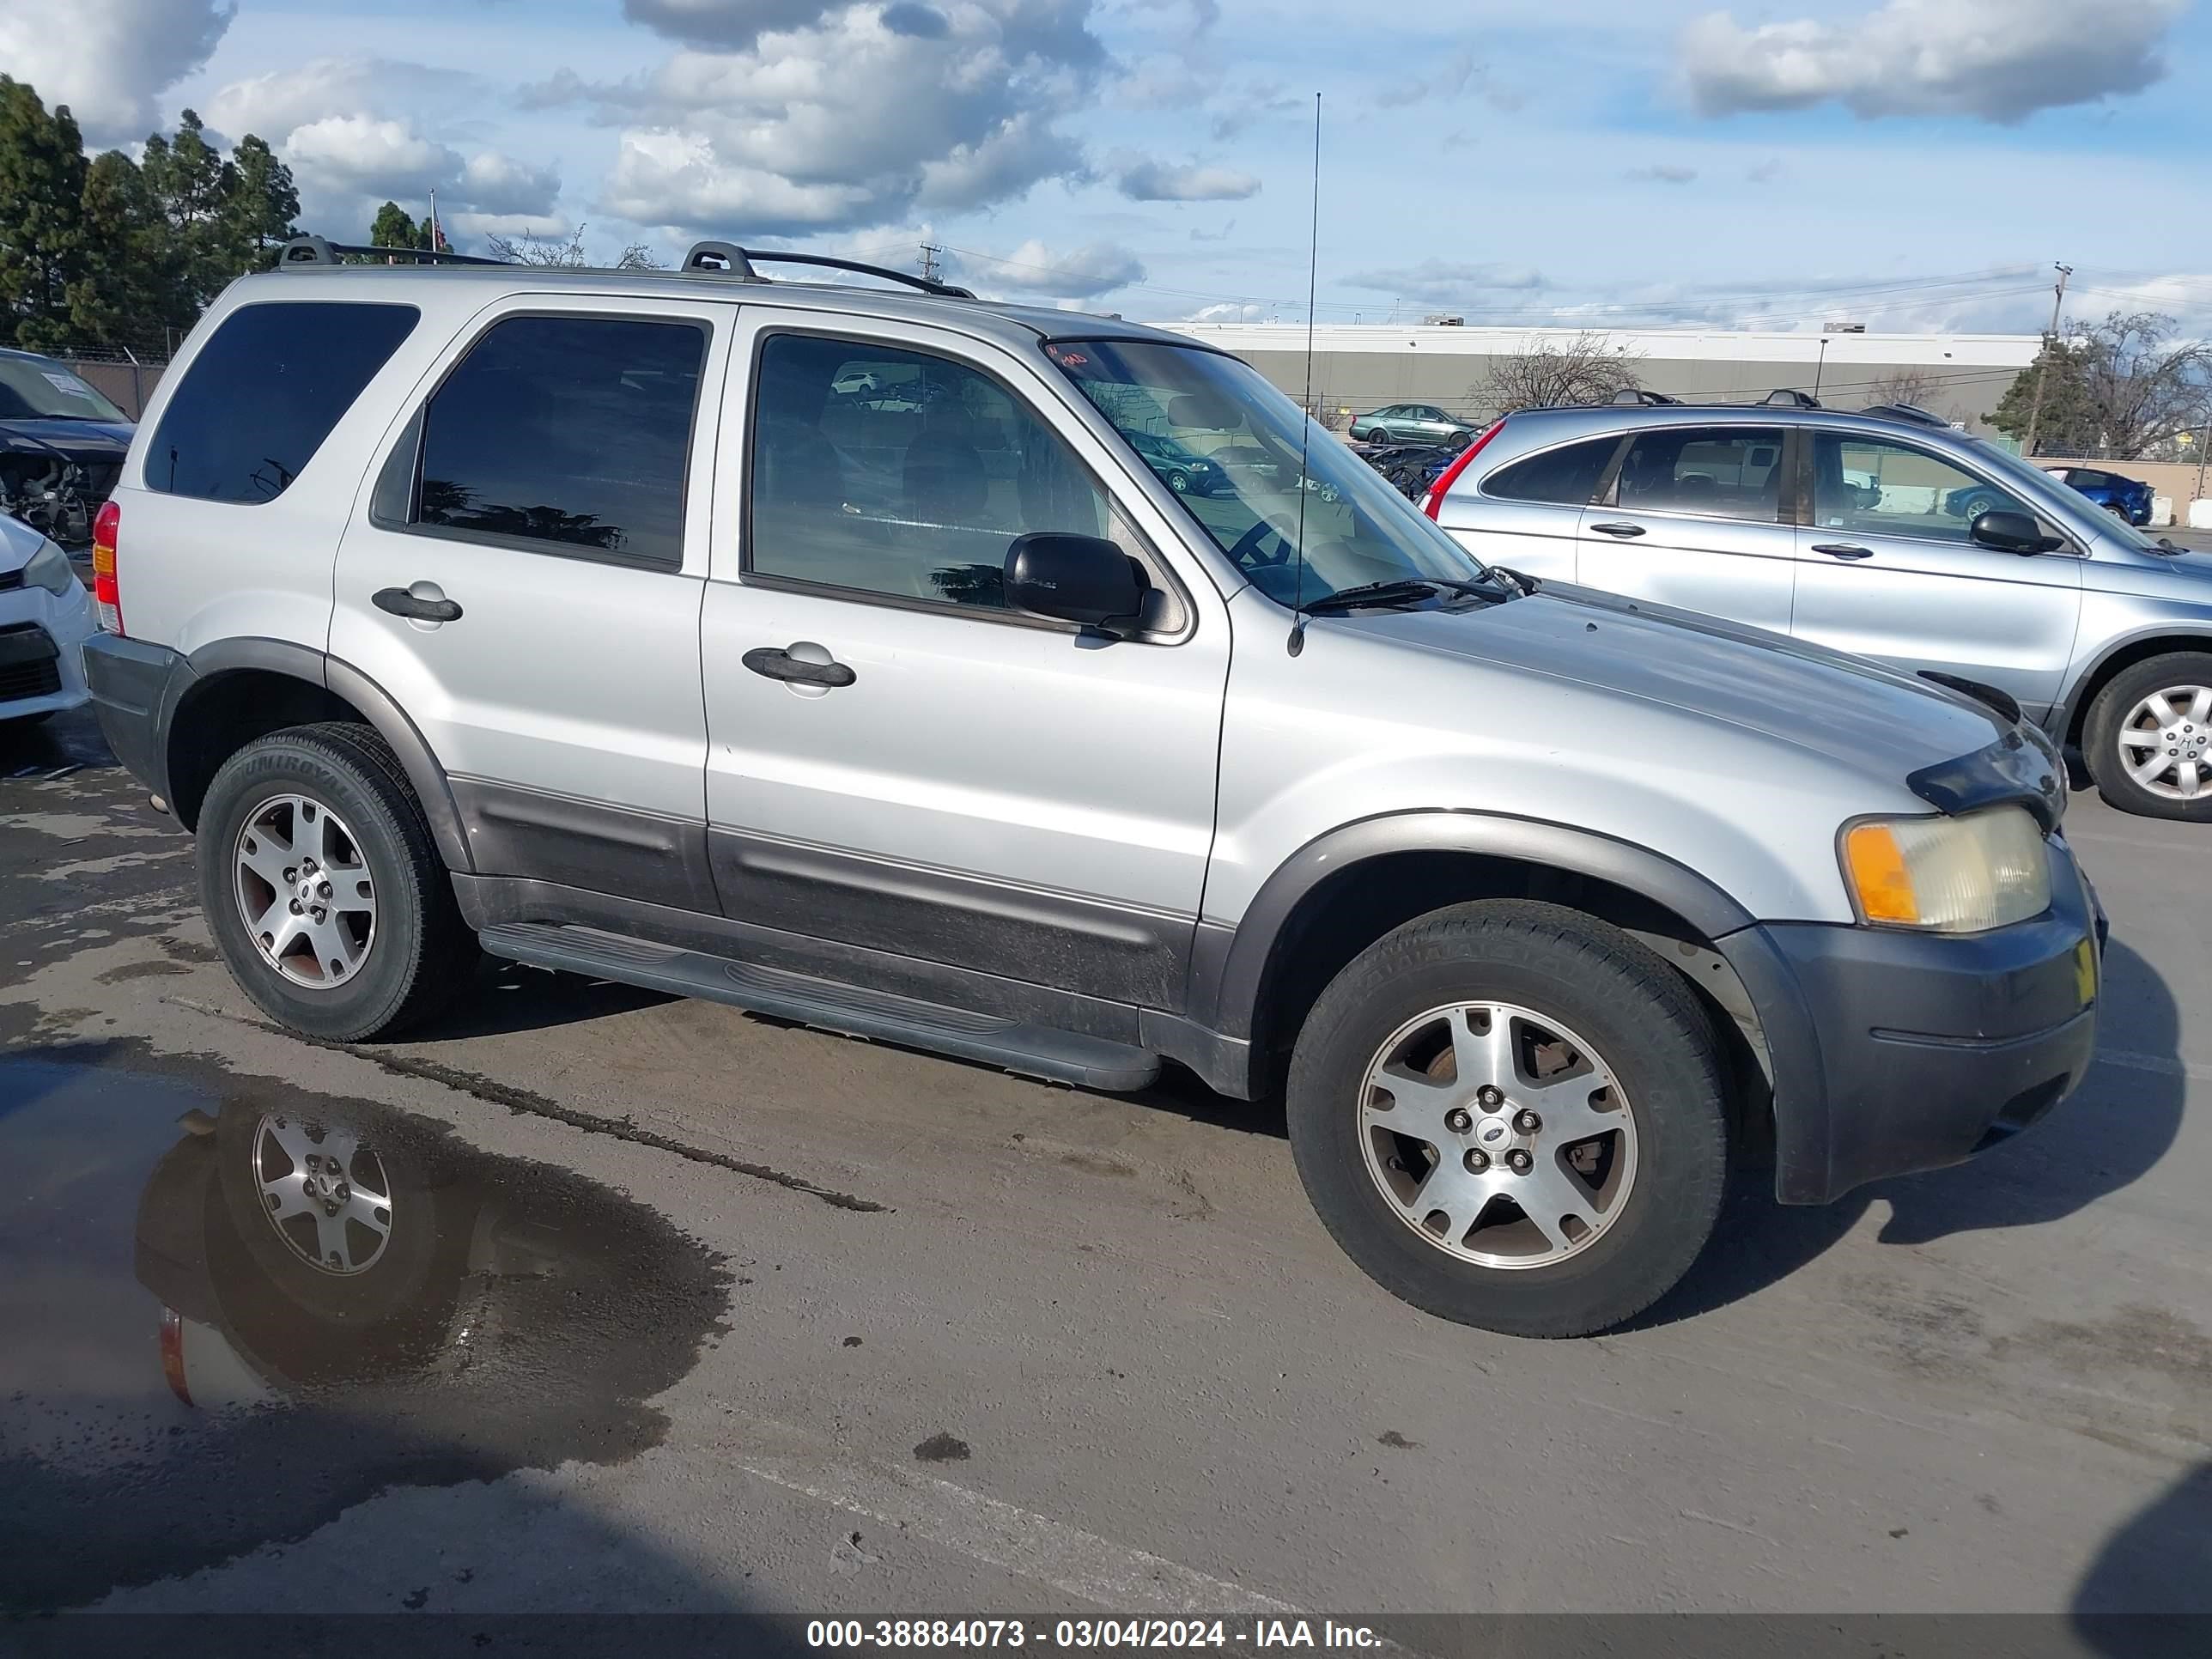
[
  {"x": 109, "y": 60},
  {"x": 1082, "y": 273},
  {"x": 501, "y": 187},
  {"x": 1228, "y": 311},
  {"x": 364, "y": 153},
  {"x": 1445, "y": 83},
  {"x": 1442, "y": 282},
  {"x": 1999, "y": 60},
  {"x": 1660, "y": 172},
  {"x": 839, "y": 115},
  {"x": 1141, "y": 178}
]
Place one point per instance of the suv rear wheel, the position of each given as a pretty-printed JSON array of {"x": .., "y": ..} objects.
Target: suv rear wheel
[
  {"x": 2149, "y": 738},
  {"x": 323, "y": 887},
  {"x": 1511, "y": 1116}
]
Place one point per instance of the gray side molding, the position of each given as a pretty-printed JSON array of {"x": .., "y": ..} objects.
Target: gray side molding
[{"x": 1226, "y": 980}]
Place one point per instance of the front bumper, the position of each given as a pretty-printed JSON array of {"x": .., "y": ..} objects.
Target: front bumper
[
  {"x": 1894, "y": 1052},
  {"x": 40, "y": 635}
]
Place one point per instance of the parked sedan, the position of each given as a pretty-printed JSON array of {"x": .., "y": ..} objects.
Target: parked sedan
[
  {"x": 62, "y": 445},
  {"x": 1422, "y": 423},
  {"x": 1181, "y": 469},
  {"x": 2125, "y": 497}
]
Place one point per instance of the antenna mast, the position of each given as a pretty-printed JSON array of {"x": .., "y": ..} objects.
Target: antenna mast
[{"x": 1297, "y": 640}]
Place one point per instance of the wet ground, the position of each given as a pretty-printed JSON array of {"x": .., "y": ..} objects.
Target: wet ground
[{"x": 649, "y": 1305}]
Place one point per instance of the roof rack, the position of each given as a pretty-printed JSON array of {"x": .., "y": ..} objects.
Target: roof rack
[
  {"x": 304, "y": 251},
  {"x": 1912, "y": 412},
  {"x": 728, "y": 259},
  {"x": 1786, "y": 396},
  {"x": 1643, "y": 395}
]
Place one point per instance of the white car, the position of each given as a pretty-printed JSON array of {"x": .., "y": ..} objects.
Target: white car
[{"x": 45, "y": 617}]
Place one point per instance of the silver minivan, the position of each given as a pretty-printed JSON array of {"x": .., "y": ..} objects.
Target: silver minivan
[
  {"x": 839, "y": 654},
  {"x": 1889, "y": 535}
]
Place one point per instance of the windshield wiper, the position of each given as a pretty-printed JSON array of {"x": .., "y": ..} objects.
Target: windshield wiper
[
  {"x": 1399, "y": 590},
  {"x": 1513, "y": 577}
]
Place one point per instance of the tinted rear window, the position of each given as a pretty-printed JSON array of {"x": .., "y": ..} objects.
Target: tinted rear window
[
  {"x": 572, "y": 431},
  {"x": 263, "y": 394},
  {"x": 1567, "y": 475}
]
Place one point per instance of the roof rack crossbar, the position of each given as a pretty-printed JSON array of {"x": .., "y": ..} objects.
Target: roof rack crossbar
[
  {"x": 728, "y": 259},
  {"x": 304, "y": 251},
  {"x": 1912, "y": 412}
]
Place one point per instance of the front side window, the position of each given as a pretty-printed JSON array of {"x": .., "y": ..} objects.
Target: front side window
[
  {"x": 567, "y": 434},
  {"x": 1299, "y": 513},
  {"x": 912, "y": 481},
  {"x": 1876, "y": 487},
  {"x": 259, "y": 398},
  {"x": 1717, "y": 472},
  {"x": 1566, "y": 477}
]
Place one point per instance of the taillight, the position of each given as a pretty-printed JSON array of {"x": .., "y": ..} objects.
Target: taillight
[
  {"x": 172, "y": 1354},
  {"x": 104, "y": 593},
  {"x": 1434, "y": 501}
]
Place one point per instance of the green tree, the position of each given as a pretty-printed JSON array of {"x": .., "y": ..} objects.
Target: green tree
[
  {"x": 191, "y": 186},
  {"x": 2068, "y": 424},
  {"x": 130, "y": 291},
  {"x": 394, "y": 227},
  {"x": 41, "y": 217},
  {"x": 258, "y": 216}
]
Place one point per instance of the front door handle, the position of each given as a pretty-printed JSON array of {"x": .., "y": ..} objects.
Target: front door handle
[
  {"x": 423, "y": 602},
  {"x": 1842, "y": 549},
  {"x": 783, "y": 666},
  {"x": 1623, "y": 531}
]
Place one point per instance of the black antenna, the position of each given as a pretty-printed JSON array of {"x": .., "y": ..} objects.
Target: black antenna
[{"x": 1297, "y": 640}]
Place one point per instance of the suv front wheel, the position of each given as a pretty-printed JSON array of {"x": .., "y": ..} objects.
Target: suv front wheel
[
  {"x": 323, "y": 887},
  {"x": 1512, "y": 1116},
  {"x": 2149, "y": 738}
]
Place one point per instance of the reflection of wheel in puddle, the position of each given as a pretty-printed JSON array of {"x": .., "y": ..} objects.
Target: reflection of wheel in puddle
[{"x": 327, "y": 1195}]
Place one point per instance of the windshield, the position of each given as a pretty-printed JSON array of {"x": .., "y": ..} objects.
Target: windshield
[
  {"x": 2050, "y": 490},
  {"x": 40, "y": 389},
  {"x": 1227, "y": 444}
]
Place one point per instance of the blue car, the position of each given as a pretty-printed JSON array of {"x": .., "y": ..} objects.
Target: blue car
[{"x": 2124, "y": 496}]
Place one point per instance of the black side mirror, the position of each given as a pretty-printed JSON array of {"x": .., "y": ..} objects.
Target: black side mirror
[
  {"x": 2010, "y": 532},
  {"x": 1078, "y": 578}
]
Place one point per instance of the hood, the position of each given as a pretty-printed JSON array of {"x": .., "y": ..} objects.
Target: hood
[
  {"x": 88, "y": 442},
  {"x": 1849, "y": 709}
]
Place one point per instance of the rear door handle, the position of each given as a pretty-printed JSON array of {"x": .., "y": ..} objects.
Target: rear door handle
[
  {"x": 1842, "y": 549},
  {"x": 1623, "y": 531},
  {"x": 783, "y": 666},
  {"x": 424, "y": 602}
]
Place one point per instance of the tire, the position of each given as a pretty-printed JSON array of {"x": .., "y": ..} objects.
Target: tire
[
  {"x": 386, "y": 1308},
  {"x": 1638, "y": 1021},
  {"x": 2118, "y": 708},
  {"x": 416, "y": 950},
  {"x": 1976, "y": 507},
  {"x": 1180, "y": 483},
  {"x": 2118, "y": 510}
]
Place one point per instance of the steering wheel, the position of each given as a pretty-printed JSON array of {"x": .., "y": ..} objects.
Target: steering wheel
[{"x": 1246, "y": 553}]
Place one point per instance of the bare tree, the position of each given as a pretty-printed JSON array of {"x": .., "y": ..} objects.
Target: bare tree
[
  {"x": 554, "y": 254},
  {"x": 1582, "y": 370},
  {"x": 1907, "y": 385},
  {"x": 2116, "y": 389}
]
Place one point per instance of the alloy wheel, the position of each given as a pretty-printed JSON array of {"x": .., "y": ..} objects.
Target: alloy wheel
[
  {"x": 2165, "y": 739},
  {"x": 328, "y": 1196},
  {"x": 1499, "y": 1136},
  {"x": 304, "y": 891}
]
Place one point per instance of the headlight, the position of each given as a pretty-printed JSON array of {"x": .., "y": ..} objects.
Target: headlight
[
  {"x": 1962, "y": 875},
  {"x": 50, "y": 569}
]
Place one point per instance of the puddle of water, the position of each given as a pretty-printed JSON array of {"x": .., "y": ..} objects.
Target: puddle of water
[{"x": 234, "y": 1309}]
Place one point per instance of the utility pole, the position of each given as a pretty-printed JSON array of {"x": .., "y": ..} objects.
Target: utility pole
[
  {"x": 2042, "y": 363},
  {"x": 929, "y": 253}
]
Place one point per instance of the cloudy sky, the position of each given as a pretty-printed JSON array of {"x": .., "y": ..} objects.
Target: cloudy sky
[{"x": 1906, "y": 163}]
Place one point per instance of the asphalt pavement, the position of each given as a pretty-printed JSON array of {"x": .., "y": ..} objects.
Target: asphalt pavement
[{"x": 689, "y": 1310}]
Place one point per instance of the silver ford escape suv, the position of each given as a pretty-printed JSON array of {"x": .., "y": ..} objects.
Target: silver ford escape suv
[
  {"x": 838, "y": 653},
  {"x": 1883, "y": 532}
]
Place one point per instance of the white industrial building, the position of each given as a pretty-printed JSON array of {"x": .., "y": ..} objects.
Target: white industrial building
[{"x": 1361, "y": 367}]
